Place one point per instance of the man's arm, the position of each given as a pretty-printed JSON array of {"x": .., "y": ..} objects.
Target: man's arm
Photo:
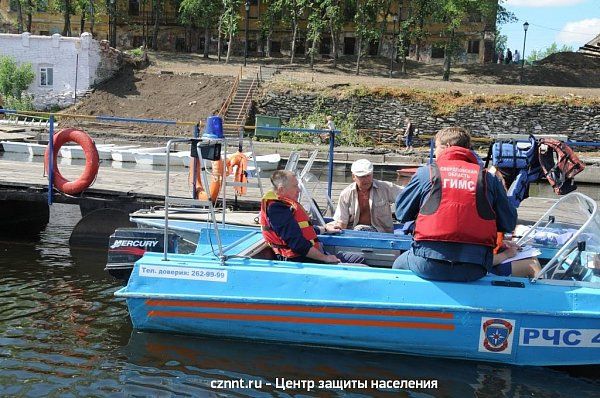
[
  {"x": 342, "y": 212},
  {"x": 408, "y": 202},
  {"x": 506, "y": 213},
  {"x": 324, "y": 258}
]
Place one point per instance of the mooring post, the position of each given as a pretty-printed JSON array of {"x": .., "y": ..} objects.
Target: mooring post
[
  {"x": 194, "y": 162},
  {"x": 50, "y": 158},
  {"x": 330, "y": 177}
]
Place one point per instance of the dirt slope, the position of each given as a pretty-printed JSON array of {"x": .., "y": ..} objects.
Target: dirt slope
[{"x": 140, "y": 94}]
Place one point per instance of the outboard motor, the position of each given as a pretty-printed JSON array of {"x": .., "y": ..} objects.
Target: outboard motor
[{"x": 127, "y": 245}]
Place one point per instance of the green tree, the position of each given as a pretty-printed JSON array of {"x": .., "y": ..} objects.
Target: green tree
[
  {"x": 66, "y": 8},
  {"x": 315, "y": 26},
  {"x": 454, "y": 14},
  {"x": 366, "y": 26},
  {"x": 385, "y": 10},
  {"x": 536, "y": 55},
  {"x": 501, "y": 42},
  {"x": 14, "y": 78},
  {"x": 291, "y": 11},
  {"x": 267, "y": 24},
  {"x": 200, "y": 14},
  {"x": 157, "y": 10},
  {"x": 419, "y": 12},
  {"x": 334, "y": 17},
  {"x": 229, "y": 22},
  {"x": 503, "y": 16}
]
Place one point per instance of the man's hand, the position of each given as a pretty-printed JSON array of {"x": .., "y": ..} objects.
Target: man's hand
[
  {"x": 331, "y": 229},
  {"x": 510, "y": 248},
  {"x": 331, "y": 259}
]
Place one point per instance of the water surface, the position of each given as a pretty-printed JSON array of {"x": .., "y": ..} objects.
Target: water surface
[{"x": 62, "y": 334}]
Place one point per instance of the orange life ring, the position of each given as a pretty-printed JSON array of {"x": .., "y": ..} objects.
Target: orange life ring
[
  {"x": 91, "y": 161},
  {"x": 218, "y": 169},
  {"x": 238, "y": 165}
]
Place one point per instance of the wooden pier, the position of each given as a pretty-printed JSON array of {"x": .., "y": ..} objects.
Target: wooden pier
[{"x": 133, "y": 188}]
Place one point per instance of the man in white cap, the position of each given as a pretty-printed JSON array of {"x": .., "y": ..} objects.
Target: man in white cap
[{"x": 366, "y": 203}]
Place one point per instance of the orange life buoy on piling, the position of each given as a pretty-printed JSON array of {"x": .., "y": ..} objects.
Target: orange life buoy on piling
[
  {"x": 238, "y": 164},
  {"x": 92, "y": 162},
  {"x": 218, "y": 170}
]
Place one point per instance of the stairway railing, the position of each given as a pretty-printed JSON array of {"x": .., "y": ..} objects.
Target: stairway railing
[
  {"x": 247, "y": 99},
  {"x": 231, "y": 95}
]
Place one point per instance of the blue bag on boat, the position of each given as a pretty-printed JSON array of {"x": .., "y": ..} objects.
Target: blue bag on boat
[{"x": 514, "y": 154}]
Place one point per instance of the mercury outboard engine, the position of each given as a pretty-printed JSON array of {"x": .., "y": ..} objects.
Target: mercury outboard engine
[{"x": 127, "y": 245}]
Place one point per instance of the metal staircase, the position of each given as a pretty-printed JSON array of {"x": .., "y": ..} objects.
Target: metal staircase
[
  {"x": 239, "y": 108},
  {"x": 238, "y": 104}
]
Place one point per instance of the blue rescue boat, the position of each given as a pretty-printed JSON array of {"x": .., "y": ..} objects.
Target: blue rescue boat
[
  {"x": 222, "y": 280},
  {"x": 230, "y": 285}
]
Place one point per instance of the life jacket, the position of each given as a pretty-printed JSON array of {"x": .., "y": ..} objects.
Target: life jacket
[
  {"x": 457, "y": 208},
  {"x": 518, "y": 163},
  {"x": 279, "y": 245},
  {"x": 559, "y": 164}
]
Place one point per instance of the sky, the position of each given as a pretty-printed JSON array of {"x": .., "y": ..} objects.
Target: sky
[{"x": 570, "y": 22}]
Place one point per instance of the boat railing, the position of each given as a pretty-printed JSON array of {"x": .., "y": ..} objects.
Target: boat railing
[
  {"x": 292, "y": 162},
  {"x": 586, "y": 203},
  {"x": 189, "y": 204},
  {"x": 314, "y": 211},
  {"x": 309, "y": 164}
]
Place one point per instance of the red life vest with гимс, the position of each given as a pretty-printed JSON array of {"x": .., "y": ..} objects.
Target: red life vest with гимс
[
  {"x": 457, "y": 208},
  {"x": 279, "y": 245}
]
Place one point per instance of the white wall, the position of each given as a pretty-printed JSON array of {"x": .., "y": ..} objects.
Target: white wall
[{"x": 70, "y": 58}]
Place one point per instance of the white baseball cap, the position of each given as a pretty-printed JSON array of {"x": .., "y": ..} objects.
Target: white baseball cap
[{"x": 362, "y": 167}]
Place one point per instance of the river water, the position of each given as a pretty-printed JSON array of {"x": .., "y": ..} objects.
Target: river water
[{"x": 63, "y": 334}]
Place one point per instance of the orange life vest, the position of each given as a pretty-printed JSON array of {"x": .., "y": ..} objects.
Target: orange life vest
[
  {"x": 279, "y": 245},
  {"x": 457, "y": 208}
]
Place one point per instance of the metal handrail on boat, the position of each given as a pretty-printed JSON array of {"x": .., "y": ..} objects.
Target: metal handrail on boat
[
  {"x": 188, "y": 202},
  {"x": 592, "y": 208}
]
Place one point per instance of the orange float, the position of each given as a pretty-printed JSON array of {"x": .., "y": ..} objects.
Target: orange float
[
  {"x": 218, "y": 171},
  {"x": 92, "y": 162},
  {"x": 238, "y": 164}
]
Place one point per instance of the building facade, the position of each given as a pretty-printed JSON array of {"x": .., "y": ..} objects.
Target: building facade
[
  {"x": 64, "y": 67},
  {"x": 132, "y": 25}
]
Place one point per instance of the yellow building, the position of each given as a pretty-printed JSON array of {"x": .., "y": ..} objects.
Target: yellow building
[{"x": 134, "y": 20}]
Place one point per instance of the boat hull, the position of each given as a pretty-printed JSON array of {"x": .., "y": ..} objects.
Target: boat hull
[{"x": 366, "y": 308}]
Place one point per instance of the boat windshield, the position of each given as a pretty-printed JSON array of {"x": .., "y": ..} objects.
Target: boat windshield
[{"x": 572, "y": 227}]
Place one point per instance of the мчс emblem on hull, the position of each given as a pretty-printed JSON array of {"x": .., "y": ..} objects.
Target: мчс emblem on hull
[{"x": 496, "y": 335}]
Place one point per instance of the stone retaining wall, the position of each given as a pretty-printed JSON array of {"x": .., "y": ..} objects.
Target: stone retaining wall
[{"x": 580, "y": 123}]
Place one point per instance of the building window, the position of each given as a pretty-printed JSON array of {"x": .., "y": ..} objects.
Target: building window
[
  {"x": 349, "y": 45},
  {"x": 134, "y": 7},
  {"x": 46, "y": 76},
  {"x": 180, "y": 44},
  {"x": 473, "y": 47},
  {"x": 275, "y": 47},
  {"x": 325, "y": 47},
  {"x": 437, "y": 51}
]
